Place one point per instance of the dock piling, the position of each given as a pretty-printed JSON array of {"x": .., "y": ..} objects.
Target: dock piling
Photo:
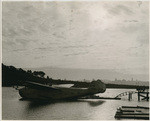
[{"x": 144, "y": 94}]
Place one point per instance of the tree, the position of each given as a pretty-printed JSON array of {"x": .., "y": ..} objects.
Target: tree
[
  {"x": 29, "y": 71},
  {"x": 39, "y": 73},
  {"x": 47, "y": 77}
]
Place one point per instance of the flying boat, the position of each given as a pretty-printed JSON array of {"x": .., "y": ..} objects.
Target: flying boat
[{"x": 34, "y": 90}]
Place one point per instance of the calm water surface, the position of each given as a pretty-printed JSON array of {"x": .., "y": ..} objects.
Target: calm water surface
[{"x": 89, "y": 109}]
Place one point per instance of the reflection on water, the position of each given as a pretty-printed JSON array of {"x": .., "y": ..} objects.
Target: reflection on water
[
  {"x": 92, "y": 102},
  {"x": 83, "y": 109},
  {"x": 97, "y": 103},
  {"x": 36, "y": 104},
  {"x": 39, "y": 104}
]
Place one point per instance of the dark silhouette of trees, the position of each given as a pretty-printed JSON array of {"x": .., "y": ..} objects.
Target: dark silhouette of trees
[
  {"x": 47, "y": 77},
  {"x": 29, "y": 71},
  {"x": 13, "y": 76},
  {"x": 39, "y": 73},
  {"x": 17, "y": 76}
]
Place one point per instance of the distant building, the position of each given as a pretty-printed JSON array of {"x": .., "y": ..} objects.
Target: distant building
[{"x": 123, "y": 80}]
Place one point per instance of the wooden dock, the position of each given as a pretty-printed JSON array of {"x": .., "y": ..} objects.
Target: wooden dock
[
  {"x": 98, "y": 97},
  {"x": 132, "y": 112}
]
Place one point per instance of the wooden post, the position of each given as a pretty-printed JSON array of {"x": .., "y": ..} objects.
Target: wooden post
[
  {"x": 147, "y": 96},
  {"x": 138, "y": 95},
  {"x": 130, "y": 96}
]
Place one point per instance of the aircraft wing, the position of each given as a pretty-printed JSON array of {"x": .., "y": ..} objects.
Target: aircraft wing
[
  {"x": 123, "y": 86},
  {"x": 41, "y": 86},
  {"x": 118, "y": 84}
]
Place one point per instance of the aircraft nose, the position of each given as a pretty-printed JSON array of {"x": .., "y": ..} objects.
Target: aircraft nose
[
  {"x": 98, "y": 86},
  {"x": 103, "y": 88}
]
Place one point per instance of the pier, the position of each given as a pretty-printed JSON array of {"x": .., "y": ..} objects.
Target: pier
[
  {"x": 132, "y": 112},
  {"x": 142, "y": 91},
  {"x": 142, "y": 95}
]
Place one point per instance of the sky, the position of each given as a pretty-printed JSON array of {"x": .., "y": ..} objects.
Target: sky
[{"x": 88, "y": 35}]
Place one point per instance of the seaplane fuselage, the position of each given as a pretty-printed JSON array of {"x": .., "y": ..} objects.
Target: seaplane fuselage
[{"x": 40, "y": 91}]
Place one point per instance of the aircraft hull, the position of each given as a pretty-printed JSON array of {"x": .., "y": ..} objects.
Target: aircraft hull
[{"x": 61, "y": 93}]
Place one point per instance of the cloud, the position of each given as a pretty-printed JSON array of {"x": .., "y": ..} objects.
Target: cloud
[
  {"x": 76, "y": 46},
  {"x": 75, "y": 54},
  {"x": 131, "y": 21},
  {"x": 76, "y": 34},
  {"x": 19, "y": 50},
  {"x": 120, "y": 9}
]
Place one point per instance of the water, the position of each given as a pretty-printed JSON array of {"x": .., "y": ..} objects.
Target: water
[{"x": 89, "y": 109}]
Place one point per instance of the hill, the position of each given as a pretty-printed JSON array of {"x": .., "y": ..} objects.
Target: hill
[{"x": 90, "y": 74}]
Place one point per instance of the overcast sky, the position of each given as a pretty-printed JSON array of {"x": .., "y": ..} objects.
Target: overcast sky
[{"x": 94, "y": 35}]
